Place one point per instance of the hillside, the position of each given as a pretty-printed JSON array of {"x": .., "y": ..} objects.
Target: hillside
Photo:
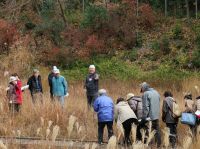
[{"x": 118, "y": 36}]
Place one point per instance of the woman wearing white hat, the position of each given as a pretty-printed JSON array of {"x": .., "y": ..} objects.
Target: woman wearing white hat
[{"x": 12, "y": 95}]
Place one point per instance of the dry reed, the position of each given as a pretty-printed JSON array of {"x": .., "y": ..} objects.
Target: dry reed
[
  {"x": 55, "y": 132},
  {"x": 112, "y": 143}
]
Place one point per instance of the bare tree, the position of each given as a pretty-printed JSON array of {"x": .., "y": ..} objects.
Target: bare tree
[
  {"x": 196, "y": 4},
  {"x": 165, "y": 7},
  {"x": 187, "y": 8},
  {"x": 62, "y": 12}
]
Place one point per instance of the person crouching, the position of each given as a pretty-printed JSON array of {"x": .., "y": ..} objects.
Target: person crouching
[
  {"x": 104, "y": 107},
  {"x": 125, "y": 115}
]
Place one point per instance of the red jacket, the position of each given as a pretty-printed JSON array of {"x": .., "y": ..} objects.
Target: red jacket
[{"x": 19, "y": 92}]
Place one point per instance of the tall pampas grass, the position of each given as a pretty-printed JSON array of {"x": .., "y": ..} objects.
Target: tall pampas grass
[
  {"x": 50, "y": 123},
  {"x": 112, "y": 143},
  {"x": 138, "y": 145},
  {"x": 94, "y": 146},
  {"x": 120, "y": 131},
  {"x": 41, "y": 121},
  {"x": 2, "y": 145},
  {"x": 151, "y": 136},
  {"x": 134, "y": 132},
  {"x": 72, "y": 120},
  {"x": 187, "y": 141},
  {"x": 87, "y": 146},
  {"x": 55, "y": 132},
  {"x": 143, "y": 132},
  {"x": 48, "y": 131},
  {"x": 166, "y": 133}
]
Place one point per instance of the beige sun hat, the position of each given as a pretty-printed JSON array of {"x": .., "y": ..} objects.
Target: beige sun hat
[
  {"x": 12, "y": 79},
  {"x": 129, "y": 95}
]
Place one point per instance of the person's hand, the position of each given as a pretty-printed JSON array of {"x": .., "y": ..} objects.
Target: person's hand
[
  {"x": 96, "y": 77},
  {"x": 67, "y": 95}
]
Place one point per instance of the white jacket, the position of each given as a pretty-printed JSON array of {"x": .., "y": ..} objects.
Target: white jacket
[{"x": 123, "y": 112}]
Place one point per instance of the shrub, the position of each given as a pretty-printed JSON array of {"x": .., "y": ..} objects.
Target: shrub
[
  {"x": 95, "y": 17},
  {"x": 94, "y": 44},
  {"x": 177, "y": 31},
  {"x": 147, "y": 17},
  {"x": 196, "y": 58},
  {"x": 8, "y": 34}
]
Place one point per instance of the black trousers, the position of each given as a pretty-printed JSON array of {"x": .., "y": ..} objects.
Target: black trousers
[
  {"x": 127, "y": 125},
  {"x": 91, "y": 99},
  {"x": 156, "y": 127},
  {"x": 173, "y": 132},
  {"x": 101, "y": 126},
  {"x": 14, "y": 107}
]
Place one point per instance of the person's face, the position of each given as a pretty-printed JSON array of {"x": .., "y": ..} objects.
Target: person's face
[
  {"x": 14, "y": 82},
  {"x": 17, "y": 77},
  {"x": 57, "y": 74},
  {"x": 92, "y": 70},
  {"x": 36, "y": 74}
]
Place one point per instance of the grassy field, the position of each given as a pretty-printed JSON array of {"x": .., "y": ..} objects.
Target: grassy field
[{"x": 75, "y": 121}]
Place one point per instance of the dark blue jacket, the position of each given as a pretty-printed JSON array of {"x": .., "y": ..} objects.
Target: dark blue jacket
[
  {"x": 92, "y": 84},
  {"x": 104, "y": 107}
]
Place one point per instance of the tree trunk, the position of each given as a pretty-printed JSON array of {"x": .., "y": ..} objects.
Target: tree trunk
[
  {"x": 62, "y": 13},
  {"x": 83, "y": 3},
  {"x": 196, "y": 4},
  {"x": 187, "y": 9},
  {"x": 165, "y": 8}
]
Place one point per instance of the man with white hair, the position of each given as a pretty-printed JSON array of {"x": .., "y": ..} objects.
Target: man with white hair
[
  {"x": 104, "y": 107},
  {"x": 92, "y": 85},
  {"x": 50, "y": 77}
]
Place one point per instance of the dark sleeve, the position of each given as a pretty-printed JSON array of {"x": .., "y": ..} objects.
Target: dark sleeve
[
  {"x": 29, "y": 83},
  {"x": 50, "y": 80},
  {"x": 146, "y": 105},
  {"x": 41, "y": 84},
  {"x": 164, "y": 110},
  {"x": 85, "y": 84}
]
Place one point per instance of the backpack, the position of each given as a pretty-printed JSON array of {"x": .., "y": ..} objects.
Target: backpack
[{"x": 176, "y": 112}]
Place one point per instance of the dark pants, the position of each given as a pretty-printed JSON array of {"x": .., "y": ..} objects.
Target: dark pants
[
  {"x": 51, "y": 95},
  {"x": 91, "y": 99},
  {"x": 101, "y": 126},
  {"x": 14, "y": 107},
  {"x": 173, "y": 132},
  {"x": 156, "y": 127},
  {"x": 37, "y": 97},
  {"x": 127, "y": 125}
]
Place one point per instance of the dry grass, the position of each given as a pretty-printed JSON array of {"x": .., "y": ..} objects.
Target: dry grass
[{"x": 41, "y": 120}]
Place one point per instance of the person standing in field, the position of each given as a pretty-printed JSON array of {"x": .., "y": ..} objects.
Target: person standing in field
[
  {"x": 18, "y": 90},
  {"x": 168, "y": 118},
  {"x": 125, "y": 116},
  {"x": 50, "y": 77},
  {"x": 35, "y": 86},
  {"x": 135, "y": 103},
  {"x": 92, "y": 85},
  {"x": 12, "y": 95},
  {"x": 59, "y": 87},
  {"x": 151, "y": 109},
  {"x": 190, "y": 108},
  {"x": 104, "y": 107}
]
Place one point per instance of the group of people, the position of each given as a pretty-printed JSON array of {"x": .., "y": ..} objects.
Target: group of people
[
  {"x": 57, "y": 83},
  {"x": 138, "y": 110}
]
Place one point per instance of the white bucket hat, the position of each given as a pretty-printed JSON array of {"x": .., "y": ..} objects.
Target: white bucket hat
[
  {"x": 12, "y": 79},
  {"x": 91, "y": 67},
  {"x": 54, "y": 69},
  {"x": 57, "y": 71}
]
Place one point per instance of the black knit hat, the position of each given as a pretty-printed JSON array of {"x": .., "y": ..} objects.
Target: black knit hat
[{"x": 188, "y": 97}]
